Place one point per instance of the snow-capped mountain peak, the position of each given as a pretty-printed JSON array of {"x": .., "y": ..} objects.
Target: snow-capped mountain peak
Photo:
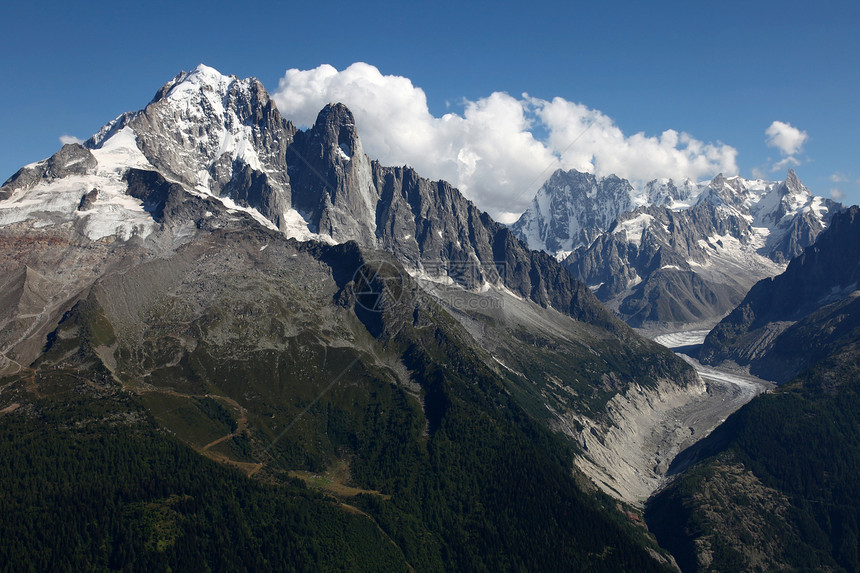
[
  {"x": 203, "y": 78},
  {"x": 217, "y": 135},
  {"x": 784, "y": 201},
  {"x": 570, "y": 209}
]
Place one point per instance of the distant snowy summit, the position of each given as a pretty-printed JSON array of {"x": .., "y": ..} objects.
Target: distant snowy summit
[
  {"x": 571, "y": 209},
  {"x": 672, "y": 254}
]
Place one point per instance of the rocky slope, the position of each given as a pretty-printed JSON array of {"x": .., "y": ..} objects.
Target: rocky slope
[{"x": 792, "y": 321}]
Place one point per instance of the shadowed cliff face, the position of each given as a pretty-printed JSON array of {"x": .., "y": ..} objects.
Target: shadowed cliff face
[{"x": 332, "y": 178}]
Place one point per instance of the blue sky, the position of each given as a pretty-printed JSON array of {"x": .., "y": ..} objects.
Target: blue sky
[{"x": 722, "y": 72}]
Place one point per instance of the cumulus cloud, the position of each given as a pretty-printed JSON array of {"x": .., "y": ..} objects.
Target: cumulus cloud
[
  {"x": 66, "y": 139},
  {"x": 785, "y": 137},
  {"x": 838, "y": 178},
  {"x": 490, "y": 150},
  {"x": 837, "y": 194}
]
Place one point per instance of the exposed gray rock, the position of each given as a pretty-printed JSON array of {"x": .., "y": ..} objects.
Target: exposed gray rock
[
  {"x": 431, "y": 226},
  {"x": 152, "y": 189},
  {"x": 332, "y": 179},
  {"x": 88, "y": 200},
  {"x": 252, "y": 188},
  {"x": 71, "y": 159},
  {"x": 792, "y": 228}
]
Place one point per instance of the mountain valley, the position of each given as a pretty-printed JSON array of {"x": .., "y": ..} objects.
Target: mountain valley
[{"x": 769, "y": 489}]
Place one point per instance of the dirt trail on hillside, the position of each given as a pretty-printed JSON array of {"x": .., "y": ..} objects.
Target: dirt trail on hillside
[{"x": 250, "y": 468}]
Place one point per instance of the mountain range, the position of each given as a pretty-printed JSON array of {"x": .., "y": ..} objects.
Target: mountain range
[
  {"x": 227, "y": 342},
  {"x": 672, "y": 255},
  {"x": 202, "y": 274}
]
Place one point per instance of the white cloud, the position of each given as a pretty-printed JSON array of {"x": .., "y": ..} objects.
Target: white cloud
[
  {"x": 588, "y": 140},
  {"x": 838, "y": 178},
  {"x": 785, "y": 163},
  {"x": 490, "y": 151},
  {"x": 785, "y": 137},
  {"x": 837, "y": 194},
  {"x": 66, "y": 139}
]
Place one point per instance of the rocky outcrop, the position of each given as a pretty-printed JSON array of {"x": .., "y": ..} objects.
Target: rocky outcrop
[
  {"x": 332, "y": 181},
  {"x": 88, "y": 199},
  {"x": 71, "y": 159},
  {"x": 794, "y": 217}
]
